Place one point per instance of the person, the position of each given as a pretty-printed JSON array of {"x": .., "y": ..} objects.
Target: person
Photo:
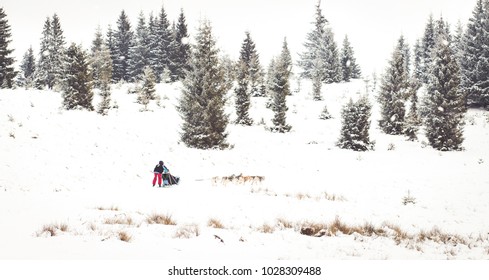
[{"x": 158, "y": 170}]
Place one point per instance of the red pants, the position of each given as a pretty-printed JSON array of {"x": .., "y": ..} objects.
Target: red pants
[{"x": 157, "y": 176}]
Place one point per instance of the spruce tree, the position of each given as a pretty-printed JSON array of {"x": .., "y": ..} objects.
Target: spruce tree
[
  {"x": 242, "y": 95},
  {"x": 164, "y": 39},
  {"x": 427, "y": 45},
  {"x": 203, "y": 95},
  {"x": 110, "y": 43},
  {"x": 77, "y": 88},
  {"x": 317, "y": 83},
  {"x": 42, "y": 76},
  {"x": 7, "y": 72},
  {"x": 57, "y": 54},
  {"x": 355, "y": 126},
  {"x": 104, "y": 68},
  {"x": 27, "y": 69},
  {"x": 123, "y": 42},
  {"x": 475, "y": 62},
  {"x": 140, "y": 50},
  {"x": 180, "y": 49},
  {"x": 394, "y": 89},
  {"x": 147, "y": 92},
  {"x": 250, "y": 57},
  {"x": 280, "y": 89},
  {"x": 349, "y": 66},
  {"x": 445, "y": 102}
]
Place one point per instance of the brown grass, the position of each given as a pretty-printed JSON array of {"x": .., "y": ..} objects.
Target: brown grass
[
  {"x": 53, "y": 229},
  {"x": 266, "y": 228},
  {"x": 161, "y": 219},
  {"x": 215, "y": 223},
  {"x": 111, "y": 208},
  {"x": 124, "y": 236},
  {"x": 283, "y": 223},
  {"x": 119, "y": 221}
]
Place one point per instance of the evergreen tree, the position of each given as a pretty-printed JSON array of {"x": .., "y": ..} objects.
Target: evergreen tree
[
  {"x": 280, "y": 89},
  {"x": 317, "y": 83},
  {"x": 110, "y": 43},
  {"x": 57, "y": 52},
  {"x": 50, "y": 68},
  {"x": 153, "y": 53},
  {"x": 243, "y": 95},
  {"x": 393, "y": 91},
  {"x": 27, "y": 68},
  {"x": 97, "y": 41},
  {"x": 123, "y": 42},
  {"x": 140, "y": 50},
  {"x": 180, "y": 49},
  {"x": 7, "y": 72},
  {"x": 325, "y": 115},
  {"x": 269, "y": 82},
  {"x": 203, "y": 95},
  {"x": 250, "y": 57},
  {"x": 104, "y": 68},
  {"x": 355, "y": 126},
  {"x": 77, "y": 89},
  {"x": 475, "y": 62},
  {"x": 147, "y": 92},
  {"x": 320, "y": 42},
  {"x": 445, "y": 102},
  {"x": 164, "y": 38},
  {"x": 427, "y": 45},
  {"x": 417, "y": 62},
  {"x": 405, "y": 52},
  {"x": 413, "y": 121},
  {"x": 349, "y": 67}
]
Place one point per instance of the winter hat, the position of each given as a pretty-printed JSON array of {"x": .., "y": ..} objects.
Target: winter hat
[{"x": 161, "y": 162}]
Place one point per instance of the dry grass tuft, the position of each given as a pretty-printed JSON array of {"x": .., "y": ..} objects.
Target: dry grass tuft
[
  {"x": 52, "y": 229},
  {"x": 332, "y": 197},
  {"x": 124, "y": 236},
  {"x": 161, "y": 219},
  {"x": 215, "y": 223},
  {"x": 118, "y": 220},
  {"x": 266, "y": 228},
  {"x": 187, "y": 231}
]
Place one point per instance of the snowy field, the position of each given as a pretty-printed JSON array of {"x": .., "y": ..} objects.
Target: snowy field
[{"x": 77, "y": 185}]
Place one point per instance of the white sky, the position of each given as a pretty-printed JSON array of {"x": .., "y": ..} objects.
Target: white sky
[{"x": 373, "y": 26}]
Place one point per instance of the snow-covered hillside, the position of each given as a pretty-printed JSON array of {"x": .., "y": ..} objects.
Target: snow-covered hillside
[{"x": 77, "y": 185}]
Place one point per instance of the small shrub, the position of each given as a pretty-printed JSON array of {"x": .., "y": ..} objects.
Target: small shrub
[
  {"x": 266, "y": 228},
  {"x": 111, "y": 208},
  {"x": 408, "y": 199},
  {"x": 52, "y": 229},
  {"x": 391, "y": 147},
  {"x": 325, "y": 115},
  {"x": 124, "y": 236},
  {"x": 187, "y": 231},
  {"x": 215, "y": 223},
  {"x": 119, "y": 221},
  {"x": 12, "y": 134},
  {"x": 161, "y": 219},
  {"x": 10, "y": 118}
]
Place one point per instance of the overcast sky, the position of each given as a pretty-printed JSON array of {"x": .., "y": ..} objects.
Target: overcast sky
[{"x": 372, "y": 26}]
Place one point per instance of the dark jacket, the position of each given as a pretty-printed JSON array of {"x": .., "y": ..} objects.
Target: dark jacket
[{"x": 158, "y": 169}]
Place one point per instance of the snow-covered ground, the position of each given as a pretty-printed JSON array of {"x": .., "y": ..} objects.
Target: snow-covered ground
[{"x": 86, "y": 180}]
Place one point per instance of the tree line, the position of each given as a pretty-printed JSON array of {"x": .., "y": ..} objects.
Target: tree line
[{"x": 451, "y": 68}]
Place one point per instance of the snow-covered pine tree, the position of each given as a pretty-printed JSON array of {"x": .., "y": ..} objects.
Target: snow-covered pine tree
[
  {"x": 250, "y": 57},
  {"x": 445, "y": 102},
  {"x": 349, "y": 66},
  {"x": 41, "y": 76},
  {"x": 94, "y": 59},
  {"x": 57, "y": 52},
  {"x": 104, "y": 79},
  {"x": 317, "y": 83},
  {"x": 287, "y": 59},
  {"x": 77, "y": 88},
  {"x": 417, "y": 62},
  {"x": 7, "y": 71},
  {"x": 153, "y": 43},
  {"x": 164, "y": 38},
  {"x": 110, "y": 43},
  {"x": 355, "y": 126},
  {"x": 147, "y": 92},
  {"x": 427, "y": 45},
  {"x": 406, "y": 53},
  {"x": 140, "y": 50},
  {"x": 475, "y": 62},
  {"x": 242, "y": 93},
  {"x": 280, "y": 91},
  {"x": 181, "y": 49},
  {"x": 123, "y": 42},
  {"x": 458, "y": 42},
  {"x": 394, "y": 89},
  {"x": 97, "y": 41},
  {"x": 27, "y": 69},
  {"x": 204, "y": 95},
  {"x": 325, "y": 115},
  {"x": 269, "y": 82}
]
